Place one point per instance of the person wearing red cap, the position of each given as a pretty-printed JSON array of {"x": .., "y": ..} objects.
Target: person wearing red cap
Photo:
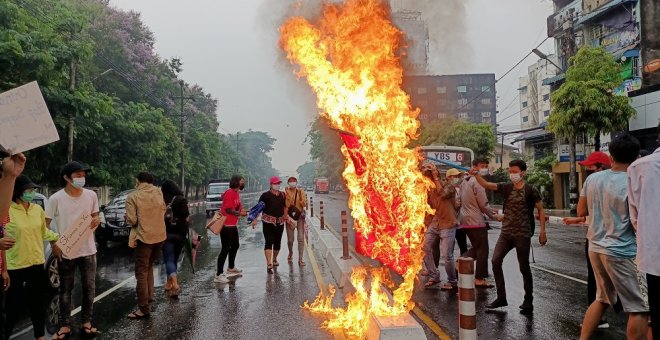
[
  {"x": 597, "y": 161},
  {"x": 273, "y": 220}
]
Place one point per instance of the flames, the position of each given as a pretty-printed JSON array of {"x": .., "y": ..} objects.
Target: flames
[{"x": 349, "y": 59}]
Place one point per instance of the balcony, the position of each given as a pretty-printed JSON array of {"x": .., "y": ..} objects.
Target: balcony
[{"x": 564, "y": 17}]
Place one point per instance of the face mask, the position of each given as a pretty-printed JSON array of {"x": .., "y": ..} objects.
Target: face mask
[
  {"x": 293, "y": 184},
  {"x": 28, "y": 196},
  {"x": 275, "y": 187},
  {"x": 484, "y": 172},
  {"x": 78, "y": 182},
  {"x": 241, "y": 187},
  {"x": 515, "y": 178},
  {"x": 455, "y": 181}
]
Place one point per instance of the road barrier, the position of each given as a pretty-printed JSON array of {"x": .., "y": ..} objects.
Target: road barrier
[
  {"x": 311, "y": 206},
  {"x": 322, "y": 218},
  {"x": 344, "y": 236},
  {"x": 467, "y": 316}
]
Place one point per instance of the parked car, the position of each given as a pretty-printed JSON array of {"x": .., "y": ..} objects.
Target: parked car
[
  {"x": 113, "y": 221},
  {"x": 214, "y": 192},
  {"x": 51, "y": 264}
]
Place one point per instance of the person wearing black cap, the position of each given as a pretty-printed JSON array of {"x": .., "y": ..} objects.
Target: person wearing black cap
[
  {"x": 65, "y": 207},
  {"x": 25, "y": 260}
]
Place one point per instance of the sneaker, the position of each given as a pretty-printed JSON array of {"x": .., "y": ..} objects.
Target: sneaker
[
  {"x": 235, "y": 273},
  {"x": 602, "y": 324},
  {"x": 234, "y": 270},
  {"x": 222, "y": 278}
]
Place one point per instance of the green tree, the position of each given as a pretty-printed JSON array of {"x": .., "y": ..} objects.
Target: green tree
[
  {"x": 326, "y": 151},
  {"x": 585, "y": 103},
  {"x": 540, "y": 176},
  {"x": 306, "y": 173},
  {"x": 480, "y": 138}
]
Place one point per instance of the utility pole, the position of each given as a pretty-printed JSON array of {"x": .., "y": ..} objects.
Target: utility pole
[
  {"x": 72, "y": 114},
  {"x": 183, "y": 142}
]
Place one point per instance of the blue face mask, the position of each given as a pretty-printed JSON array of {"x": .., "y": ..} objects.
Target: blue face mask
[
  {"x": 78, "y": 182},
  {"x": 28, "y": 196}
]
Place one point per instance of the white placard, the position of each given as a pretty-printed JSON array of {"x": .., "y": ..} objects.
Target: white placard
[
  {"x": 25, "y": 122},
  {"x": 75, "y": 235}
]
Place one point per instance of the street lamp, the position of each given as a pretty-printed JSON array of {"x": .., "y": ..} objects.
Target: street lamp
[{"x": 544, "y": 56}]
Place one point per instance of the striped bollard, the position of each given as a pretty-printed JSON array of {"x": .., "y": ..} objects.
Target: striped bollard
[
  {"x": 322, "y": 215},
  {"x": 344, "y": 236},
  {"x": 467, "y": 316},
  {"x": 311, "y": 206}
]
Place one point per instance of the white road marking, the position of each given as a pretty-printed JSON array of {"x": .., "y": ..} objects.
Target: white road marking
[
  {"x": 558, "y": 274},
  {"x": 79, "y": 309}
]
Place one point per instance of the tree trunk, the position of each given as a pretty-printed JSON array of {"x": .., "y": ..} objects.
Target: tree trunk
[
  {"x": 572, "y": 178},
  {"x": 597, "y": 140}
]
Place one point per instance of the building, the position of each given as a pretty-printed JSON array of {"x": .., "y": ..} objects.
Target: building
[
  {"x": 469, "y": 97},
  {"x": 534, "y": 96},
  {"x": 504, "y": 154},
  {"x": 416, "y": 40}
]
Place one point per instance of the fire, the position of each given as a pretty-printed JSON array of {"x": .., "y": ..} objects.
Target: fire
[{"x": 349, "y": 58}]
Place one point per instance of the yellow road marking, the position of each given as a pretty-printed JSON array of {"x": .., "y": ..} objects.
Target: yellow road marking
[
  {"x": 315, "y": 269},
  {"x": 430, "y": 323}
]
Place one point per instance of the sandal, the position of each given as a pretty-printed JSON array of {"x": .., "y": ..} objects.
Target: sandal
[
  {"x": 136, "y": 316},
  {"x": 431, "y": 283},
  {"x": 61, "y": 335},
  {"x": 90, "y": 331},
  {"x": 275, "y": 263},
  {"x": 290, "y": 258},
  {"x": 301, "y": 263},
  {"x": 447, "y": 286},
  {"x": 484, "y": 284},
  {"x": 269, "y": 269}
]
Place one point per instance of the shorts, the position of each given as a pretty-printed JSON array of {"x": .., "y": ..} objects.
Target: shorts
[{"x": 619, "y": 276}]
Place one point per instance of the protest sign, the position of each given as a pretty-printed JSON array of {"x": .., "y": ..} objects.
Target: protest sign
[{"x": 75, "y": 235}]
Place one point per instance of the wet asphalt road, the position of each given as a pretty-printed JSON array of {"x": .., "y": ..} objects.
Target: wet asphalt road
[
  {"x": 559, "y": 299},
  {"x": 254, "y": 306}
]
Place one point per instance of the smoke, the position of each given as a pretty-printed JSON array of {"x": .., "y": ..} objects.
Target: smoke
[{"x": 449, "y": 49}]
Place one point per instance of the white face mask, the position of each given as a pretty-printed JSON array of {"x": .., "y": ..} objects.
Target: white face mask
[
  {"x": 484, "y": 172},
  {"x": 78, "y": 182},
  {"x": 293, "y": 184},
  {"x": 455, "y": 181},
  {"x": 515, "y": 178},
  {"x": 275, "y": 187}
]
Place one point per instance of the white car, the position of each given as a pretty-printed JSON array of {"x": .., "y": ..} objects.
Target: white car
[{"x": 51, "y": 264}]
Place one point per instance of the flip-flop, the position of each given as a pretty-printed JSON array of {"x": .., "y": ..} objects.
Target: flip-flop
[
  {"x": 431, "y": 283},
  {"x": 275, "y": 263},
  {"x": 61, "y": 335},
  {"x": 136, "y": 316},
  {"x": 269, "y": 269},
  {"x": 301, "y": 263},
  {"x": 89, "y": 331},
  {"x": 487, "y": 285},
  {"x": 290, "y": 258}
]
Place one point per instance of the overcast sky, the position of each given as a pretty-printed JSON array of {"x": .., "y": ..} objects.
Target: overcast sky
[{"x": 230, "y": 49}]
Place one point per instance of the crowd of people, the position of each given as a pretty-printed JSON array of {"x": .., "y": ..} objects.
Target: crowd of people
[{"x": 616, "y": 203}]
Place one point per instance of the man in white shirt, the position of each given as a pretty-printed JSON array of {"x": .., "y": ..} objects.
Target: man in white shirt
[
  {"x": 65, "y": 207},
  {"x": 643, "y": 195}
]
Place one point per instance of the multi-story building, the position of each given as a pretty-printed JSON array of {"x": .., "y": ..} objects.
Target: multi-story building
[
  {"x": 469, "y": 97},
  {"x": 417, "y": 40},
  {"x": 534, "y": 96}
]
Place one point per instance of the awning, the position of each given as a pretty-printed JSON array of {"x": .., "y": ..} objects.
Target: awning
[
  {"x": 536, "y": 135},
  {"x": 600, "y": 11},
  {"x": 555, "y": 79},
  {"x": 631, "y": 53}
]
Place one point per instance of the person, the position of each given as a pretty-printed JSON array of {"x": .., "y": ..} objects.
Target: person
[
  {"x": 25, "y": 260},
  {"x": 474, "y": 205},
  {"x": 295, "y": 197},
  {"x": 11, "y": 167},
  {"x": 442, "y": 227},
  {"x": 273, "y": 219},
  {"x": 596, "y": 161},
  {"x": 233, "y": 209},
  {"x": 65, "y": 207},
  {"x": 145, "y": 208},
  {"x": 518, "y": 224},
  {"x": 461, "y": 236},
  {"x": 612, "y": 244},
  {"x": 643, "y": 193},
  {"x": 177, "y": 222}
]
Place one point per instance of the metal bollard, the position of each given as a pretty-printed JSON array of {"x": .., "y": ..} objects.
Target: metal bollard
[
  {"x": 311, "y": 206},
  {"x": 322, "y": 216},
  {"x": 467, "y": 316},
  {"x": 344, "y": 236}
]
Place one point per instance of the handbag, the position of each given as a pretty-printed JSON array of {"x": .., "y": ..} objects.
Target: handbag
[
  {"x": 216, "y": 223},
  {"x": 293, "y": 211}
]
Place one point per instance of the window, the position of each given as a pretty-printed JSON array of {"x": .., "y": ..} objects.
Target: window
[
  {"x": 485, "y": 120},
  {"x": 442, "y": 115},
  {"x": 485, "y": 89},
  {"x": 463, "y": 115},
  {"x": 462, "y": 101},
  {"x": 485, "y": 114},
  {"x": 421, "y": 90},
  {"x": 424, "y": 116},
  {"x": 524, "y": 104},
  {"x": 442, "y": 102},
  {"x": 485, "y": 101},
  {"x": 525, "y": 119},
  {"x": 546, "y": 113},
  {"x": 546, "y": 97},
  {"x": 441, "y": 89},
  {"x": 498, "y": 159},
  {"x": 461, "y": 89},
  {"x": 423, "y": 103}
]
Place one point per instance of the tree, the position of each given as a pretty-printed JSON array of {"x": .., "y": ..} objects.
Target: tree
[
  {"x": 585, "y": 104},
  {"x": 540, "y": 176},
  {"x": 306, "y": 173},
  {"x": 326, "y": 151},
  {"x": 477, "y": 137}
]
